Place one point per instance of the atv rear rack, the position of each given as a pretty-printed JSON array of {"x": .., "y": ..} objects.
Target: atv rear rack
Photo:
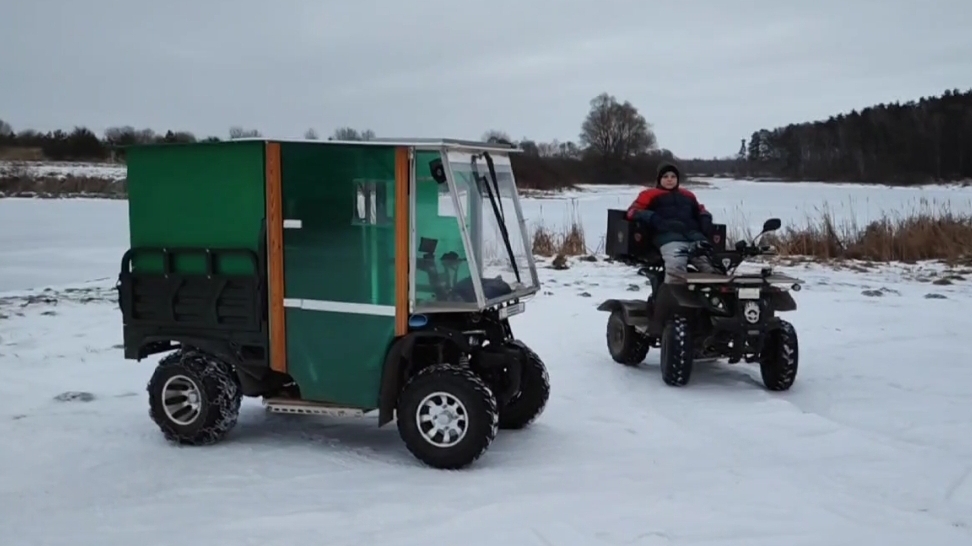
[{"x": 746, "y": 278}]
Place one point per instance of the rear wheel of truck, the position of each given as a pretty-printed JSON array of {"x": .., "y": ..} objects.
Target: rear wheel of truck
[
  {"x": 194, "y": 398},
  {"x": 676, "y": 353},
  {"x": 447, "y": 416},
  {"x": 626, "y": 345},
  {"x": 779, "y": 359},
  {"x": 529, "y": 402}
]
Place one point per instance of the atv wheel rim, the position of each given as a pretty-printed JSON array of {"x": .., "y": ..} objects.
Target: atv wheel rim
[
  {"x": 442, "y": 419},
  {"x": 181, "y": 400}
]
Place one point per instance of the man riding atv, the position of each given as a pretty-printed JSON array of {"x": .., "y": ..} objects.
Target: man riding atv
[{"x": 679, "y": 224}]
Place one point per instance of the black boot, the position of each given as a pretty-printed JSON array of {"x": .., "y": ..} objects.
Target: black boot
[{"x": 658, "y": 308}]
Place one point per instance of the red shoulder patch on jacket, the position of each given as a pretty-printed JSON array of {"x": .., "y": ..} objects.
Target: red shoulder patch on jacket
[{"x": 644, "y": 199}]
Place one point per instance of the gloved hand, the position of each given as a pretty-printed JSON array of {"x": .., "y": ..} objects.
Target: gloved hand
[
  {"x": 705, "y": 222},
  {"x": 703, "y": 246},
  {"x": 646, "y": 217}
]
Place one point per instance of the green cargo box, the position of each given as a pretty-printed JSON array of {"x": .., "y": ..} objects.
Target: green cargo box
[{"x": 206, "y": 195}]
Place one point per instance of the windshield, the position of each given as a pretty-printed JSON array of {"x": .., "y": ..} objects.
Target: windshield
[{"x": 491, "y": 212}]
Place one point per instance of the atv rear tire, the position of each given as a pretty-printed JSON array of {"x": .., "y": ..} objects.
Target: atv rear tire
[
  {"x": 529, "y": 402},
  {"x": 194, "y": 398},
  {"x": 676, "y": 353},
  {"x": 626, "y": 345},
  {"x": 780, "y": 357},
  {"x": 468, "y": 408}
]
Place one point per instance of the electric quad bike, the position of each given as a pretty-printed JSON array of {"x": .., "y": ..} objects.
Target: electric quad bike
[
  {"x": 703, "y": 315},
  {"x": 333, "y": 278}
]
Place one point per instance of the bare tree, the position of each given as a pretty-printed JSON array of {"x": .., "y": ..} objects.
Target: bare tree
[
  {"x": 529, "y": 147},
  {"x": 238, "y": 132},
  {"x": 128, "y": 135},
  {"x": 616, "y": 130},
  {"x": 310, "y": 134},
  {"x": 351, "y": 134},
  {"x": 345, "y": 133},
  {"x": 5, "y": 129},
  {"x": 548, "y": 149},
  {"x": 495, "y": 135}
]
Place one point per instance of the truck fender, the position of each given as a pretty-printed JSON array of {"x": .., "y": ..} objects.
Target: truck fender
[{"x": 398, "y": 365}]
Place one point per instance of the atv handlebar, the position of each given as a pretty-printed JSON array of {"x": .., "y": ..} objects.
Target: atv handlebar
[{"x": 742, "y": 251}]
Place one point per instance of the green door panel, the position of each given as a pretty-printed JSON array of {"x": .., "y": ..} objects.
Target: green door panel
[
  {"x": 343, "y": 254},
  {"x": 338, "y": 357}
]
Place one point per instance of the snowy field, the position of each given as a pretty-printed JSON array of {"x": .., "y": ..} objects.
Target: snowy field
[
  {"x": 88, "y": 236},
  {"x": 744, "y": 205},
  {"x": 873, "y": 445}
]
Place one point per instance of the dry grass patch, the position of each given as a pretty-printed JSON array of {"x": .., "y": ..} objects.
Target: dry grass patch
[
  {"x": 13, "y": 185},
  {"x": 925, "y": 233},
  {"x": 568, "y": 241}
]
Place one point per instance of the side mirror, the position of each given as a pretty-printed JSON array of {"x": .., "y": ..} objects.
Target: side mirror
[
  {"x": 437, "y": 170},
  {"x": 772, "y": 224}
]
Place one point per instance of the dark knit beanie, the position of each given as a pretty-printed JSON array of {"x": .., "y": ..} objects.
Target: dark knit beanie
[{"x": 667, "y": 168}]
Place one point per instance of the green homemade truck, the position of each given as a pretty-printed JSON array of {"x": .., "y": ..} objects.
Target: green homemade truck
[{"x": 332, "y": 278}]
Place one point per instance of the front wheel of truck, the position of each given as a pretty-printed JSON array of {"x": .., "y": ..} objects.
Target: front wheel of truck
[
  {"x": 447, "y": 416},
  {"x": 194, "y": 398}
]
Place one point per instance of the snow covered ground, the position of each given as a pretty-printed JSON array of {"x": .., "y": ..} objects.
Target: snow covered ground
[
  {"x": 744, "y": 205},
  {"x": 873, "y": 445}
]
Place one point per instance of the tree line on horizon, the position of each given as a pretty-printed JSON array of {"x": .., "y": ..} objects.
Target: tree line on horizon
[{"x": 928, "y": 140}]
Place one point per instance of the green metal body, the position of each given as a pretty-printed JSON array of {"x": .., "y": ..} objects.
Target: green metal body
[{"x": 209, "y": 195}]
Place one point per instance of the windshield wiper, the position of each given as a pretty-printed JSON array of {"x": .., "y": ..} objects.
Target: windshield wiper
[{"x": 497, "y": 209}]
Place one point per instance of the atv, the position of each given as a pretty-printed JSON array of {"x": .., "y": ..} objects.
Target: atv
[{"x": 703, "y": 316}]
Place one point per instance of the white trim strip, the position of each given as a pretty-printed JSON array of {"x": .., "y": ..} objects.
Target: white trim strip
[
  {"x": 292, "y": 224},
  {"x": 341, "y": 307}
]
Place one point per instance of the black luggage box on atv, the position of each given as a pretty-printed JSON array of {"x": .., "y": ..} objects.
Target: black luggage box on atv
[{"x": 627, "y": 241}]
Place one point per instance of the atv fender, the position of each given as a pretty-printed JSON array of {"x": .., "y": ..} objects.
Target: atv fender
[
  {"x": 634, "y": 312},
  {"x": 781, "y": 301}
]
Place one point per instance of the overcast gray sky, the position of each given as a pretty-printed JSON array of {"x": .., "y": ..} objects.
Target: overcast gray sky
[{"x": 705, "y": 73}]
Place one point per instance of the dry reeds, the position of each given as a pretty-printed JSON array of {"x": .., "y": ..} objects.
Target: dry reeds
[{"x": 929, "y": 232}]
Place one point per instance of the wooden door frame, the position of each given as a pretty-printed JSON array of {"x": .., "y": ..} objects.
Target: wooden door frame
[{"x": 402, "y": 238}]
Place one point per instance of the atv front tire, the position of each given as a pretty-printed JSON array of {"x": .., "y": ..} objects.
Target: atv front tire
[
  {"x": 194, "y": 398},
  {"x": 529, "y": 402},
  {"x": 676, "y": 353},
  {"x": 626, "y": 345},
  {"x": 779, "y": 359},
  {"x": 447, "y": 416}
]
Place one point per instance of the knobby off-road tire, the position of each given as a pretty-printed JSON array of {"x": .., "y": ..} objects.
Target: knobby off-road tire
[
  {"x": 677, "y": 353},
  {"x": 530, "y": 401},
  {"x": 465, "y": 395},
  {"x": 194, "y": 398},
  {"x": 625, "y": 344},
  {"x": 780, "y": 358}
]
